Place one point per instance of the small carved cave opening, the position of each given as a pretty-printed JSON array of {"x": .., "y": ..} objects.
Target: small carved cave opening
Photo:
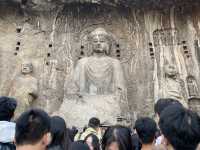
[
  {"x": 150, "y": 44},
  {"x": 117, "y": 51},
  {"x": 184, "y": 47},
  {"x": 18, "y": 30},
  {"x": 183, "y": 42},
  {"x": 18, "y": 43},
  {"x": 50, "y": 45},
  {"x": 17, "y": 48},
  {"x": 82, "y": 52},
  {"x": 118, "y": 55},
  {"x": 48, "y": 54}
]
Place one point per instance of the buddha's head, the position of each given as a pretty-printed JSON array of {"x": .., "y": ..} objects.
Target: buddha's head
[
  {"x": 27, "y": 67},
  {"x": 100, "y": 41},
  {"x": 171, "y": 70}
]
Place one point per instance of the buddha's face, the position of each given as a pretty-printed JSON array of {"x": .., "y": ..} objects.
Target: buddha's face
[
  {"x": 100, "y": 44},
  {"x": 27, "y": 68},
  {"x": 171, "y": 70}
]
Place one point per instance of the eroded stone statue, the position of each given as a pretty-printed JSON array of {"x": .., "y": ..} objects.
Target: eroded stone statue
[
  {"x": 99, "y": 85},
  {"x": 24, "y": 88},
  {"x": 173, "y": 86},
  {"x": 99, "y": 74},
  {"x": 192, "y": 86}
]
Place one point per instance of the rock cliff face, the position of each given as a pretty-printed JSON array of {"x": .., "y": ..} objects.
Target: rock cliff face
[{"x": 148, "y": 36}]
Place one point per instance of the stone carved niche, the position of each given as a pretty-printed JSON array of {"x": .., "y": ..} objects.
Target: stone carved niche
[
  {"x": 193, "y": 92},
  {"x": 192, "y": 87},
  {"x": 170, "y": 80},
  {"x": 165, "y": 44},
  {"x": 166, "y": 37},
  {"x": 24, "y": 88},
  {"x": 97, "y": 84}
]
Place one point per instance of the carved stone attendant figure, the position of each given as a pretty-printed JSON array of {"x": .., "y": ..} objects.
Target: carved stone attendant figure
[
  {"x": 98, "y": 82},
  {"x": 24, "y": 88},
  {"x": 173, "y": 86},
  {"x": 192, "y": 86}
]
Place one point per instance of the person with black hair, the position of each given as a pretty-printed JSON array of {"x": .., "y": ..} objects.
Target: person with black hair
[
  {"x": 93, "y": 128},
  {"x": 162, "y": 103},
  {"x": 117, "y": 138},
  {"x": 33, "y": 130},
  {"x": 159, "y": 106},
  {"x": 180, "y": 127},
  {"x": 92, "y": 141},
  {"x": 146, "y": 129},
  {"x": 7, "y": 128},
  {"x": 60, "y": 134}
]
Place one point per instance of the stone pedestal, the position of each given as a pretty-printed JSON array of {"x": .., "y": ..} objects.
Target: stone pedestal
[
  {"x": 194, "y": 104},
  {"x": 78, "y": 111}
]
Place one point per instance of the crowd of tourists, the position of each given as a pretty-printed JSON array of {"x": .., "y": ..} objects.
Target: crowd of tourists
[{"x": 176, "y": 128}]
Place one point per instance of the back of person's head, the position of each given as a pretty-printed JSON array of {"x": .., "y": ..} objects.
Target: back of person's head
[
  {"x": 79, "y": 146},
  {"x": 162, "y": 103},
  {"x": 7, "y": 108},
  {"x": 146, "y": 129},
  {"x": 92, "y": 141},
  {"x": 94, "y": 122},
  {"x": 32, "y": 127},
  {"x": 117, "y": 135},
  {"x": 60, "y": 135},
  {"x": 181, "y": 127}
]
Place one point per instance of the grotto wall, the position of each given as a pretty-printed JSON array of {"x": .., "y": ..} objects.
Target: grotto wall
[{"x": 148, "y": 38}]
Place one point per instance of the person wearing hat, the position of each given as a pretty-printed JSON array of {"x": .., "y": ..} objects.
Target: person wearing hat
[{"x": 7, "y": 128}]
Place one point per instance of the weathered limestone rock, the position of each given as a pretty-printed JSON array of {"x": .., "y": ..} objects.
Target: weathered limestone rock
[{"x": 146, "y": 34}]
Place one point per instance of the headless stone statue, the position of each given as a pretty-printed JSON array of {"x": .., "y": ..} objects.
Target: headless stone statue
[
  {"x": 173, "y": 86},
  {"x": 99, "y": 83},
  {"x": 24, "y": 88}
]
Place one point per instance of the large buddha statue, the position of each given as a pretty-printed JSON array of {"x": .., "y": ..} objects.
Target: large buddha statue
[
  {"x": 98, "y": 85},
  {"x": 99, "y": 74}
]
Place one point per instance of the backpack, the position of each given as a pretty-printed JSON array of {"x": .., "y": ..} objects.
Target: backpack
[{"x": 7, "y": 146}]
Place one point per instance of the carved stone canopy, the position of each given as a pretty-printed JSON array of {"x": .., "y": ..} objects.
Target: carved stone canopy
[{"x": 99, "y": 31}]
